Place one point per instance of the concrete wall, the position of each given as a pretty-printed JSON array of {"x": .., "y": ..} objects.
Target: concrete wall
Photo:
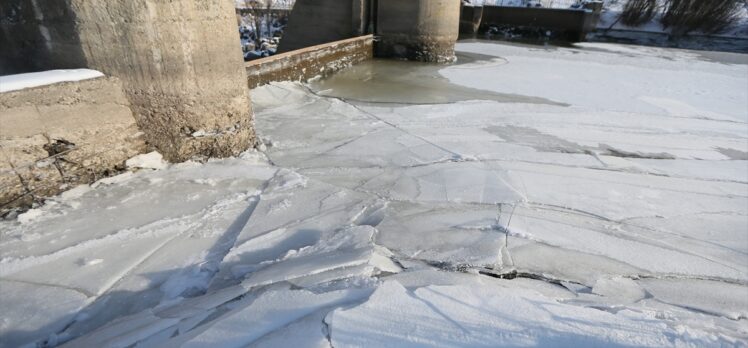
[
  {"x": 38, "y": 35},
  {"x": 573, "y": 23},
  {"x": 58, "y": 136},
  {"x": 315, "y": 22},
  {"x": 470, "y": 19},
  {"x": 309, "y": 62},
  {"x": 179, "y": 61},
  {"x": 424, "y": 30}
]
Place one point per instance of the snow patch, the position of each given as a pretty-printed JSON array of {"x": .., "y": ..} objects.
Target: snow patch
[
  {"x": 152, "y": 160},
  {"x": 18, "y": 82},
  {"x": 30, "y": 215}
]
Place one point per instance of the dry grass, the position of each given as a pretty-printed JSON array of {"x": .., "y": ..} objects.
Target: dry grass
[
  {"x": 638, "y": 12},
  {"x": 707, "y": 16}
]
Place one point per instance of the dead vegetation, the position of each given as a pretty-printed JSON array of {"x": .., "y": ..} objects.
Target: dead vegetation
[
  {"x": 681, "y": 17},
  {"x": 709, "y": 17},
  {"x": 638, "y": 12}
]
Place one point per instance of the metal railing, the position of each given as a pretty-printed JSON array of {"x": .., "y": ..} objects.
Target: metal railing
[{"x": 536, "y": 3}]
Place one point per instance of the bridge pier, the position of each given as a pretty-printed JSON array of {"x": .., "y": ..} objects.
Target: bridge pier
[
  {"x": 421, "y": 30},
  {"x": 179, "y": 62}
]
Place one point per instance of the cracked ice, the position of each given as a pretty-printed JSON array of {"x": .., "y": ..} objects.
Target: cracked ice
[{"x": 556, "y": 197}]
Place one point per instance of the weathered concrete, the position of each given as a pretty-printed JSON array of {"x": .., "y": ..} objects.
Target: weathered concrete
[
  {"x": 424, "y": 30},
  {"x": 57, "y": 136},
  {"x": 305, "y": 63},
  {"x": 315, "y": 22},
  {"x": 179, "y": 62}
]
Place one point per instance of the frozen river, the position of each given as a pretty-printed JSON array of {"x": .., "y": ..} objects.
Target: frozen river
[{"x": 584, "y": 196}]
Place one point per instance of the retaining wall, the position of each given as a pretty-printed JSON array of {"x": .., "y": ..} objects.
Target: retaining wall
[
  {"x": 305, "y": 63},
  {"x": 55, "y": 137},
  {"x": 575, "y": 23}
]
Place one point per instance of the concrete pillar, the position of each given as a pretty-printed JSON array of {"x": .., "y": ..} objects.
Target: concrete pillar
[
  {"x": 423, "y": 30},
  {"x": 179, "y": 61}
]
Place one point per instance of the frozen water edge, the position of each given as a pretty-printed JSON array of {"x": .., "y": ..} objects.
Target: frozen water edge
[{"x": 627, "y": 222}]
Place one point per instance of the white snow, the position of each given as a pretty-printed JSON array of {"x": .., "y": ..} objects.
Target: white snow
[
  {"x": 152, "y": 160},
  {"x": 607, "y": 183},
  {"x": 18, "y": 82}
]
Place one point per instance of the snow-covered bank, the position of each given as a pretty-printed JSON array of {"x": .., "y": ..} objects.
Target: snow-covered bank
[{"x": 617, "y": 212}]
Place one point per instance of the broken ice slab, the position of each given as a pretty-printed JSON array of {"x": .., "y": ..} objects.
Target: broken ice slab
[
  {"x": 451, "y": 234},
  {"x": 426, "y": 277},
  {"x": 335, "y": 255},
  {"x": 115, "y": 256},
  {"x": 449, "y": 182},
  {"x": 568, "y": 265},
  {"x": 624, "y": 290},
  {"x": 307, "y": 266},
  {"x": 144, "y": 198},
  {"x": 195, "y": 305},
  {"x": 34, "y": 311},
  {"x": 488, "y": 316},
  {"x": 621, "y": 195},
  {"x": 645, "y": 250},
  {"x": 307, "y": 332},
  {"x": 729, "y": 300},
  {"x": 271, "y": 311},
  {"x": 285, "y": 221},
  {"x": 379, "y": 263},
  {"x": 156, "y": 325},
  {"x": 125, "y": 332}
]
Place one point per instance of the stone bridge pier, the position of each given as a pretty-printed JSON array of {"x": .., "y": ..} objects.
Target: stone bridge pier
[{"x": 179, "y": 62}]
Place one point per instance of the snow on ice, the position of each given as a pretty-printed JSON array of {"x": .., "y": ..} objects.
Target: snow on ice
[{"x": 595, "y": 195}]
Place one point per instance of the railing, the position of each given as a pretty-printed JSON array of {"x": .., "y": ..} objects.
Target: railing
[{"x": 560, "y": 4}]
